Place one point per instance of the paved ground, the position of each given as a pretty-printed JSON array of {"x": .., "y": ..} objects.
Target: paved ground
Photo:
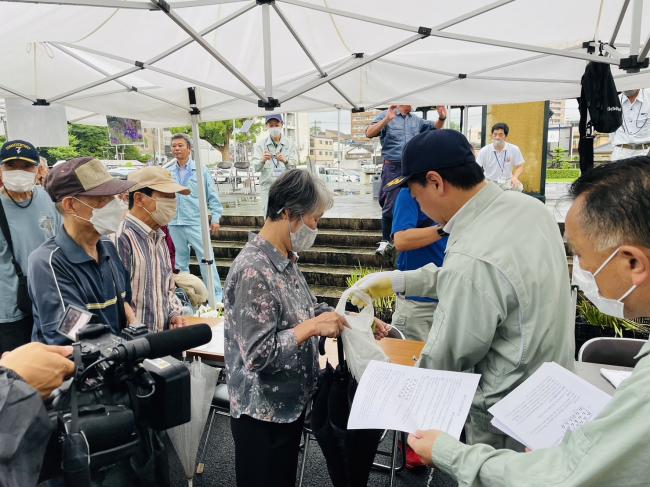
[{"x": 356, "y": 201}]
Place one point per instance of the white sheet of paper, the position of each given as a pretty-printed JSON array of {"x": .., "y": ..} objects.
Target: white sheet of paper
[
  {"x": 402, "y": 398},
  {"x": 216, "y": 345},
  {"x": 615, "y": 377},
  {"x": 549, "y": 403}
]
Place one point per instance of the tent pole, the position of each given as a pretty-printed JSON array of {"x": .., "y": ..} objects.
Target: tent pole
[
  {"x": 635, "y": 36},
  {"x": 268, "y": 62},
  {"x": 309, "y": 55},
  {"x": 364, "y": 60},
  {"x": 92, "y": 3},
  {"x": 17, "y": 93},
  {"x": 155, "y": 59},
  {"x": 621, "y": 16},
  {"x": 203, "y": 206},
  {"x": 464, "y": 120},
  {"x": 644, "y": 51},
  {"x": 198, "y": 38}
]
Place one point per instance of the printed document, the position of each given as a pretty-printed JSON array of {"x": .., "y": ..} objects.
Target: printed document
[
  {"x": 549, "y": 403},
  {"x": 403, "y": 398}
]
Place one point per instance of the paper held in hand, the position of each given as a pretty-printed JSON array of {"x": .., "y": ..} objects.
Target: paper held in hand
[
  {"x": 551, "y": 402},
  {"x": 397, "y": 397}
]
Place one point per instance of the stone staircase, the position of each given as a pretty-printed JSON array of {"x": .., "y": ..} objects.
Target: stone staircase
[{"x": 342, "y": 246}]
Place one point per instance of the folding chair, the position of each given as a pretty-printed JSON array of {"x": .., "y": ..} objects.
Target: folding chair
[{"x": 611, "y": 351}]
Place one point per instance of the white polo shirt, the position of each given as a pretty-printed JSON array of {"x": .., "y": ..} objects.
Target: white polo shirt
[
  {"x": 498, "y": 165},
  {"x": 636, "y": 120}
]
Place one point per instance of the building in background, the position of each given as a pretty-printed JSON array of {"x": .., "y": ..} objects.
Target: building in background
[
  {"x": 360, "y": 122},
  {"x": 321, "y": 149},
  {"x": 558, "y": 107},
  {"x": 296, "y": 125}
]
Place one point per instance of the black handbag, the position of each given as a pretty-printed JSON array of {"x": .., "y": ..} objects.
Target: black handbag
[{"x": 22, "y": 299}]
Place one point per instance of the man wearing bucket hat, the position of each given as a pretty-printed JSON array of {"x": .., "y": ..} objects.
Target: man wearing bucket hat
[
  {"x": 80, "y": 266},
  {"x": 503, "y": 290},
  {"x": 143, "y": 250}
]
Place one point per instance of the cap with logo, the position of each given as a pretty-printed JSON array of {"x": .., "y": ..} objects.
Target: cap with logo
[
  {"x": 83, "y": 176},
  {"x": 433, "y": 150},
  {"x": 273, "y": 116},
  {"x": 19, "y": 150},
  {"x": 157, "y": 179}
]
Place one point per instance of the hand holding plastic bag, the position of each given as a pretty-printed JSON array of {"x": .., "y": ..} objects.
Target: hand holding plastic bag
[{"x": 359, "y": 342}]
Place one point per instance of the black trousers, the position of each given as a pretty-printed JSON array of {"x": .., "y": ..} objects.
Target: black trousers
[
  {"x": 15, "y": 333},
  {"x": 266, "y": 454}
]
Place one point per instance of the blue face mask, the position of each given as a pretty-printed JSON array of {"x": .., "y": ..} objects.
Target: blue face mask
[{"x": 586, "y": 281}]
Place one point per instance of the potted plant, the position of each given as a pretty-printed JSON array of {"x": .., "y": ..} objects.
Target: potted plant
[
  {"x": 384, "y": 307},
  {"x": 591, "y": 323}
]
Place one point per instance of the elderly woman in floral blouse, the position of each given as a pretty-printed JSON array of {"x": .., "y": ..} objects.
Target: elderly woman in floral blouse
[{"x": 272, "y": 325}]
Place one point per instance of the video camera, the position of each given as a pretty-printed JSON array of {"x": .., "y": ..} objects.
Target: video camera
[{"x": 124, "y": 387}]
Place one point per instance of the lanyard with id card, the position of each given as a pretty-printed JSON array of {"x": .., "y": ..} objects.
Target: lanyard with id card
[{"x": 278, "y": 167}]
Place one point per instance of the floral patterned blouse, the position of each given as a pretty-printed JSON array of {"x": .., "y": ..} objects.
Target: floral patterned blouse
[{"x": 270, "y": 377}]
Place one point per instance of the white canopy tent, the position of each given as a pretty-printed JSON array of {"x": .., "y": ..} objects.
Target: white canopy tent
[{"x": 136, "y": 58}]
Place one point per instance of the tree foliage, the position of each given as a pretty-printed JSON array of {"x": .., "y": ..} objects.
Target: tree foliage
[{"x": 219, "y": 134}]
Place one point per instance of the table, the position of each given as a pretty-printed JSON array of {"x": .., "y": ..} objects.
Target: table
[
  {"x": 591, "y": 373},
  {"x": 403, "y": 352},
  {"x": 214, "y": 350}
]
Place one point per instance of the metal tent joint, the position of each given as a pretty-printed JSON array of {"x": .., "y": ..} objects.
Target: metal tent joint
[
  {"x": 357, "y": 55},
  {"x": 139, "y": 64},
  {"x": 41, "y": 102},
  {"x": 163, "y": 5},
  {"x": 424, "y": 31},
  {"x": 462, "y": 75},
  {"x": 263, "y": 2},
  {"x": 358, "y": 110},
  {"x": 133, "y": 89},
  {"x": 269, "y": 104},
  {"x": 632, "y": 64}
]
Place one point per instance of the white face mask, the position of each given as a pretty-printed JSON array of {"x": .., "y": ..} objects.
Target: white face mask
[
  {"x": 108, "y": 218},
  {"x": 303, "y": 238},
  {"x": 499, "y": 144},
  {"x": 19, "y": 181},
  {"x": 275, "y": 132},
  {"x": 586, "y": 281},
  {"x": 165, "y": 211}
]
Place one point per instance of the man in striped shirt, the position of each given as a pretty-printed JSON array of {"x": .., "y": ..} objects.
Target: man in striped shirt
[{"x": 144, "y": 252}]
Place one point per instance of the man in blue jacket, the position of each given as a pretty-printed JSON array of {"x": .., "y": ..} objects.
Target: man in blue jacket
[{"x": 185, "y": 229}]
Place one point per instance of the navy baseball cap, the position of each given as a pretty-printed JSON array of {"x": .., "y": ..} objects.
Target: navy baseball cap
[
  {"x": 433, "y": 150},
  {"x": 19, "y": 150},
  {"x": 273, "y": 116}
]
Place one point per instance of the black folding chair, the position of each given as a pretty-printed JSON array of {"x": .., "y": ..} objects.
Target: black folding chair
[{"x": 611, "y": 351}]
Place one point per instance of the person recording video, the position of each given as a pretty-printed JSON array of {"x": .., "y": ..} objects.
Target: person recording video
[{"x": 28, "y": 375}]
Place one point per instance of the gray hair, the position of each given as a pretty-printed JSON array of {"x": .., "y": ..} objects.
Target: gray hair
[
  {"x": 299, "y": 193},
  {"x": 616, "y": 203},
  {"x": 184, "y": 137}
]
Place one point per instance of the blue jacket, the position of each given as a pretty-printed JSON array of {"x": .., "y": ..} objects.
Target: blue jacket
[{"x": 188, "y": 206}]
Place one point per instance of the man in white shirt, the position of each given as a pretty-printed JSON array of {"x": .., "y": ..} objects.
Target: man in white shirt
[
  {"x": 633, "y": 137},
  {"x": 502, "y": 161}
]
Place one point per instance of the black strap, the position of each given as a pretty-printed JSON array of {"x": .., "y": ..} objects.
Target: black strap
[
  {"x": 4, "y": 226},
  {"x": 121, "y": 314}
]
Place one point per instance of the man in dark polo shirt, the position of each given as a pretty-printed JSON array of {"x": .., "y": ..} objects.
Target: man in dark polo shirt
[{"x": 80, "y": 266}]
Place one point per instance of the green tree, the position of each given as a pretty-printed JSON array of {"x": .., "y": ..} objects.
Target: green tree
[
  {"x": 93, "y": 141},
  {"x": 218, "y": 134},
  {"x": 53, "y": 154},
  {"x": 559, "y": 158}
]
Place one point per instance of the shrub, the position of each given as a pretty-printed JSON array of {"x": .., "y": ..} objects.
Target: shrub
[{"x": 562, "y": 173}]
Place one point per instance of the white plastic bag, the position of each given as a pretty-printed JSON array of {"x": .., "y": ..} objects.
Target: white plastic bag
[{"x": 359, "y": 342}]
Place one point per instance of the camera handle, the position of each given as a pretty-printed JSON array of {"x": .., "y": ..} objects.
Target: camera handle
[{"x": 76, "y": 452}]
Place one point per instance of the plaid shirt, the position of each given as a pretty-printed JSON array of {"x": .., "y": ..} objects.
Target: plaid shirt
[{"x": 145, "y": 256}]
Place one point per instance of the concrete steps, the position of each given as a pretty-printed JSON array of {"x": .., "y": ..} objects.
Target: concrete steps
[{"x": 326, "y": 237}]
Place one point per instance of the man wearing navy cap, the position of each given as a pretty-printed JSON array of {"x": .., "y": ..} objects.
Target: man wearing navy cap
[
  {"x": 273, "y": 155},
  {"x": 504, "y": 297},
  {"x": 27, "y": 219}
]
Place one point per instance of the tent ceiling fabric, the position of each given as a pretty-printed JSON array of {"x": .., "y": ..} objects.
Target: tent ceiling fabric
[{"x": 51, "y": 51}]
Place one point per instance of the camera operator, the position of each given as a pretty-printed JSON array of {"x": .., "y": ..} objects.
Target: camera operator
[
  {"x": 78, "y": 267},
  {"x": 28, "y": 374}
]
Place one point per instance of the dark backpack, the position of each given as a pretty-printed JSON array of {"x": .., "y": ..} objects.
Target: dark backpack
[{"x": 601, "y": 99}]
